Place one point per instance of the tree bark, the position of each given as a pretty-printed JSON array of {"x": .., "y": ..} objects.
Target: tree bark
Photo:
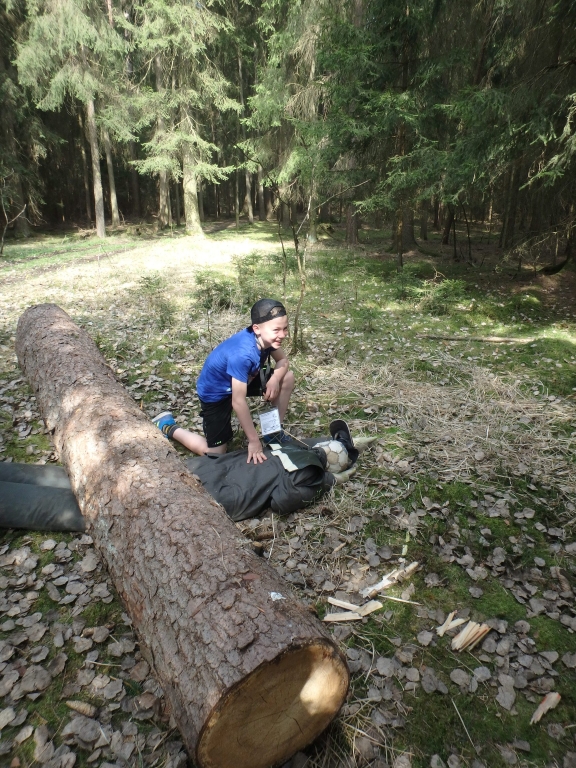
[
  {"x": 96, "y": 177},
  {"x": 324, "y": 217},
  {"x": 85, "y": 172},
  {"x": 177, "y": 196},
  {"x": 448, "y": 225},
  {"x": 424, "y": 209},
  {"x": 269, "y": 202},
  {"x": 134, "y": 182},
  {"x": 21, "y": 225},
  {"x": 251, "y": 678},
  {"x": 111, "y": 182},
  {"x": 408, "y": 238},
  {"x": 508, "y": 230},
  {"x": 436, "y": 206},
  {"x": 313, "y": 215},
  {"x": 351, "y": 224},
  {"x": 164, "y": 208},
  {"x": 248, "y": 197},
  {"x": 261, "y": 206},
  {"x": 190, "y": 185},
  {"x": 200, "y": 201}
]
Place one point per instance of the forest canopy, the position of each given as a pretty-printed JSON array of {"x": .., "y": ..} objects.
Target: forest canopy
[{"x": 392, "y": 111}]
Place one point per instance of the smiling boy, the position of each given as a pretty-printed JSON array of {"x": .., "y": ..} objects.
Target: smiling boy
[{"x": 233, "y": 371}]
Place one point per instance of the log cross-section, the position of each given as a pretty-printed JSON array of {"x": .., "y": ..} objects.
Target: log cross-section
[{"x": 251, "y": 675}]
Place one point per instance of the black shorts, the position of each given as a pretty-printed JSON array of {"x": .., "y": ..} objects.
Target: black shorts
[
  {"x": 216, "y": 416},
  {"x": 216, "y": 421}
]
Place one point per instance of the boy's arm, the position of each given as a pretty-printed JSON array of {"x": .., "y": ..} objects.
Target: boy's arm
[
  {"x": 240, "y": 406},
  {"x": 280, "y": 370}
]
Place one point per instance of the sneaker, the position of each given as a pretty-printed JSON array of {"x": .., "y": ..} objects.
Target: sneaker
[{"x": 164, "y": 421}]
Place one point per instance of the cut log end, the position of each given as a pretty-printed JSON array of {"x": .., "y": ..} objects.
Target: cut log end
[{"x": 276, "y": 711}]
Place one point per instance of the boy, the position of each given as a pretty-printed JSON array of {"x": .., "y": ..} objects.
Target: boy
[{"x": 233, "y": 371}]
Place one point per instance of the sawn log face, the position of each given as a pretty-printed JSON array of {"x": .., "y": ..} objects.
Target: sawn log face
[{"x": 199, "y": 598}]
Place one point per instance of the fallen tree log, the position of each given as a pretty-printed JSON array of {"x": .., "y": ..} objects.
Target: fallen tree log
[{"x": 250, "y": 673}]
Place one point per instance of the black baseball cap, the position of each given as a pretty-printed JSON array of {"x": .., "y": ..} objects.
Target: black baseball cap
[{"x": 266, "y": 309}]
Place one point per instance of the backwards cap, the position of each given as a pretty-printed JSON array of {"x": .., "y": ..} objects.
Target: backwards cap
[{"x": 266, "y": 309}]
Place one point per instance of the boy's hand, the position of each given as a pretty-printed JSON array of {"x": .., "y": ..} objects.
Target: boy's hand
[
  {"x": 272, "y": 389},
  {"x": 256, "y": 452}
]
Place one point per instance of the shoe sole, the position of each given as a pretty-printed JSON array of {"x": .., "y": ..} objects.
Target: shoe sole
[{"x": 156, "y": 419}]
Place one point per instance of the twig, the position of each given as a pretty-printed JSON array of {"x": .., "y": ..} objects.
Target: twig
[
  {"x": 398, "y": 600},
  {"x": 273, "y": 538},
  {"x": 464, "y": 725}
]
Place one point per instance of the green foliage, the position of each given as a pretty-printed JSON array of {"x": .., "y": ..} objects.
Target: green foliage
[
  {"x": 441, "y": 298},
  {"x": 251, "y": 281},
  {"x": 214, "y": 291},
  {"x": 153, "y": 289}
]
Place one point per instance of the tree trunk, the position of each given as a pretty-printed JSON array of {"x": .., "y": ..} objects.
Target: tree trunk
[
  {"x": 436, "y": 205},
  {"x": 177, "y": 195},
  {"x": 261, "y": 206},
  {"x": 313, "y": 215},
  {"x": 164, "y": 208},
  {"x": 398, "y": 238},
  {"x": 134, "y": 182},
  {"x": 190, "y": 184},
  {"x": 408, "y": 238},
  {"x": 86, "y": 174},
  {"x": 21, "y": 225},
  {"x": 351, "y": 224},
  {"x": 96, "y": 178},
  {"x": 424, "y": 219},
  {"x": 508, "y": 229},
  {"x": 112, "y": 183},
  {"x": 237, "y": 198},
  {"x": 448, "y": 225},
  {"x": 269, "y": 203},
  {"x": 251, "y": 677},
  {"x": 201, "y": 201},
  {"x": 324, "y": 217},
  {"x": 248, "y": 197}
]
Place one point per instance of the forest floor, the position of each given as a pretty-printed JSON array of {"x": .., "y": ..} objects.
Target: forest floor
[{"x": 467, "y": 376}]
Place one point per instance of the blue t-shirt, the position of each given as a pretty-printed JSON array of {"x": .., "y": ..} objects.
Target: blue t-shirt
[{"x": 238, "y": 357}]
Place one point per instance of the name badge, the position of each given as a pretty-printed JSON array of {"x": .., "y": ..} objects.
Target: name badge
[{"x": 270, "y": 421}]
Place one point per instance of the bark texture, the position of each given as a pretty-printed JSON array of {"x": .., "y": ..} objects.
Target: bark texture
[
  {"x": 111, "y": 181},
  {"x": 251, "y": 679},
  {"x": 96, "y": 177}
]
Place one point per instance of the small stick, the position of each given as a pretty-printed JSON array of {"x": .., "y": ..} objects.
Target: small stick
[
  {"x": 399, "y": 600},
  {"x": 464, "y": 725}
]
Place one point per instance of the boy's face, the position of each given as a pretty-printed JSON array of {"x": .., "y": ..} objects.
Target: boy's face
[{"x": 272, "y": 333}]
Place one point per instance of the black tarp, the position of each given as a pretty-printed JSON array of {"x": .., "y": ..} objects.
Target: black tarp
[
  {"x": 245, "y": 490},
  {"x": 37, "y": 498}
]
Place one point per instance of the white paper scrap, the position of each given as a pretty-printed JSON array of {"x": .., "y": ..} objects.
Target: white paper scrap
[{"x": 270, "y": 421}]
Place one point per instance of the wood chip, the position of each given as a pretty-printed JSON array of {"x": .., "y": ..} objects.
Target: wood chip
[
  {"x": 395, "y": 576},
  {"x": 347, "y": 616},
  {"x": 343, "y": 604},
  {"x": 450, "y": 623},
  {"x": 470, "y": 636},
  {"x": 373, "y": 605},
  {"x": 550, "y": 701}
]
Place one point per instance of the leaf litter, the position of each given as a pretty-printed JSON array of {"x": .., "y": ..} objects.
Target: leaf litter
[{"x": 472, "y": 427}]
